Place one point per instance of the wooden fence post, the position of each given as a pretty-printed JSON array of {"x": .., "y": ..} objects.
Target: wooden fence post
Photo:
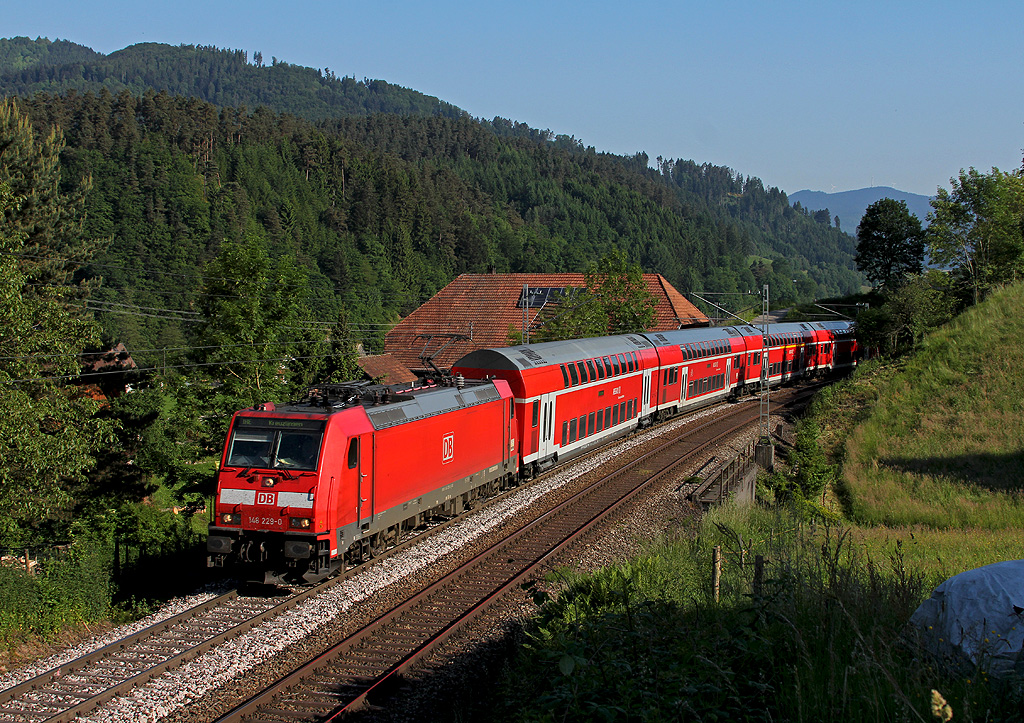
[{"x": 716, "y": 572}]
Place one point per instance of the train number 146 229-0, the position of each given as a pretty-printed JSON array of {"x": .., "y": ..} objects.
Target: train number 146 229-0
[{"x": 267, "y": 521}]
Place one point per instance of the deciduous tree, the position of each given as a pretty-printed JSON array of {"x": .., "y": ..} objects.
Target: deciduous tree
[
  {"x": 889, "y": 243},
  {"x": 615, "y": 301},
  {"x": 977, "y": 229},
  {"x": 48, "y": 429}
]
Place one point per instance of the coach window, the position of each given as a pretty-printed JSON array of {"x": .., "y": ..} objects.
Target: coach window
[
  {"x": 572, "y": 430},
  {"x": 583, "y": 426},
  {"x": 573, "y": 374},
  {"x": 590, "y": 368},
  {"x": 583, "y": 372},
  {"x": 600, "y": 368},
  {"x": 353, "y": 453},
  {"x": 607, "y": 367},
  {"x": 536, "y": 414},
  {"x": 630, "y": 362},
  {"x": 590, "y": 424},
  {"x": 607, "y": 417},
  {"x": 600, "y": 420},
  {"x": 615, "y": 365},
  {"x": 565, "y": 433},
  {"x": 565, "y": 376},
  {"x": 615, "y": 415}
]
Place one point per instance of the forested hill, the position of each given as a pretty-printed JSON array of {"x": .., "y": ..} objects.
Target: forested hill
[
  {"x": 222, "y": 77},
  {"x": 384, "y": 209}
]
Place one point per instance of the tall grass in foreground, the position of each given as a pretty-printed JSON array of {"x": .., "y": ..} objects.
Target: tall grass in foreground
[
  {"x": 942, "y": 444},
  {"x": 824, "y": 640}
]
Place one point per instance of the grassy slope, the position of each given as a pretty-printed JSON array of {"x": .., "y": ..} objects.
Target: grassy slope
[{"x": 933, "y": 447}]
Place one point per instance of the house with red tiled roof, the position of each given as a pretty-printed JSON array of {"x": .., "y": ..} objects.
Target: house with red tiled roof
[
  {"x": 476, "y": 311},
  {"x": 386, "y": 369}
]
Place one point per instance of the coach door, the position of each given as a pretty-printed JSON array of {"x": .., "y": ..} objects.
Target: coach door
[
  {"x": 645, "y": 402},
  {"x": 359, "y": 469},
  {"x": 546, "y": 445}
]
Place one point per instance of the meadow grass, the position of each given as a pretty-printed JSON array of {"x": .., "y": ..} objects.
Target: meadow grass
[
  {"x": 938, "y": 440},
  {"x": 823, "y": 638}
]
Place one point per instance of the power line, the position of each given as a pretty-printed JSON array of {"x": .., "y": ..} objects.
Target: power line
[{"x": 87, "y": 375}]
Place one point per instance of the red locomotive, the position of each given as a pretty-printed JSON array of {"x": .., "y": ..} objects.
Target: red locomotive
[
  {"x": 305, "y": 486},
  {"x": 348, "y": 469}
]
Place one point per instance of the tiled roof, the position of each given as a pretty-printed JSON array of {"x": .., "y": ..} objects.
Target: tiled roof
[
  {"x": 475, "y": 311},
  {"x": 386, "y": 368}
]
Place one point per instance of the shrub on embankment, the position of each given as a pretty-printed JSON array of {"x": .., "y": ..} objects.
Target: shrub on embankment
[{"x": 66, "y": 589}]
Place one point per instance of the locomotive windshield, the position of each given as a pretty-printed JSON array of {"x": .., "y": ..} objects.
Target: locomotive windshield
[{"x": 262, "y": 443}]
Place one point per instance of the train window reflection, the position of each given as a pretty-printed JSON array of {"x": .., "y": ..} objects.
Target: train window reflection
[{"x": 251, "y": 448}]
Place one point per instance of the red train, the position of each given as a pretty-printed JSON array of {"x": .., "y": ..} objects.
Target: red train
[{"x": 341, "y": 474}]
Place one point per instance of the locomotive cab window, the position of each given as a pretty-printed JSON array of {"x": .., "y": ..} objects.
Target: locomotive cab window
[
  {"x": 265, "y": 448},
  {"x": 251, "y": 448},
  {"x": 353, "y": 453}
]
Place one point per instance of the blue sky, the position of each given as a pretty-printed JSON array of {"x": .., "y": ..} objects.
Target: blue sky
[{"x": 821, "y": 96}]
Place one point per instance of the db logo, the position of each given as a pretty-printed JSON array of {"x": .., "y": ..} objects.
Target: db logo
[
  {"x": 447, "y": 448},
  {"x": 266, "y": 498}
]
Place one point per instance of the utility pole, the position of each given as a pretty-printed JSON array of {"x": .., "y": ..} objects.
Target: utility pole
[
  {"x": 765, "y": 414},
  {"x": 526, "y": 312},
  {"x": 764, "y": 452}
]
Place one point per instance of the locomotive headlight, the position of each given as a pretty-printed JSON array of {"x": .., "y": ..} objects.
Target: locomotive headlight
[
  {"x": 300, "y": 523},
  {"x": 230, "y": 518}
]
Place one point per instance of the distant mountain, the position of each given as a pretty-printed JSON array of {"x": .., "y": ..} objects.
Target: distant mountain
[
  {"x": 383, "y": 194},
  {"x": 849, "y": 206},
  {"x": 218, "y": 76}
]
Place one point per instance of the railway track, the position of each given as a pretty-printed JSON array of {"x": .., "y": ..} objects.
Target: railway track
[
  {"x": 365, "y": 664},
  {"x": 79, "y": 686}
]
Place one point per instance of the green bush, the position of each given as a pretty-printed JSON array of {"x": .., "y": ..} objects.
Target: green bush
[{"x": 70, "y": 589}]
